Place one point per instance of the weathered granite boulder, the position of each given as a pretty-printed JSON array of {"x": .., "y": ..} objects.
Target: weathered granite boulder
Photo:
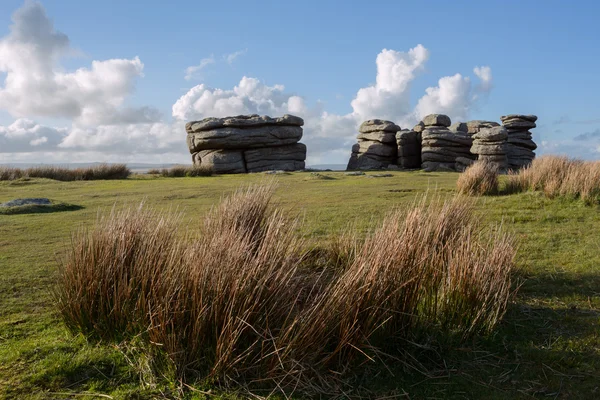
[
  {"x": 286, "y": 158},
  {"x": 221, "y": 161},
  {"x": 378, "y": 125},
  {"x": 244, "y": 138},
  {"x": 442, "y": 146},
  {"x": 490, "y": 144},
  {"x": 409, "y": 149},
  {"x": 437, "y": 120},
  {"x": 476, "y": 125},
  {"x": 520, "y": 145},
  {"x": 247, "y": 143},
  {"x": 459, "y": 127},
  {"x": 376, "y": 147}
]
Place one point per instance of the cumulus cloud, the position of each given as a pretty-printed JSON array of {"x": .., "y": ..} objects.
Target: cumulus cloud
[
  {"x": 36, "y": 85},
  {"x": 329, "y": 136},
  {"x": 24, "y": 134},
  {"x": 192, "y": 72}
]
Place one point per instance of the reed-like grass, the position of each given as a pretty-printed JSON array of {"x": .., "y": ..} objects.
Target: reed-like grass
[
  {"x": 479, "y": 179},
  {"x": 96, "y": 172},
  {"x": 559, "y": 176},
  {"x": 238, "y": 300}
]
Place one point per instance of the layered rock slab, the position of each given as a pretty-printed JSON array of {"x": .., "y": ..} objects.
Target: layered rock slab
[
  {"x": 520, "y": 145},
  {"x": 247, "y": 143},
  {"x": 376, "y": 147}
]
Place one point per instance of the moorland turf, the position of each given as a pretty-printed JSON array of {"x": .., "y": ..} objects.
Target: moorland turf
[{"x": 548, "y": 345}]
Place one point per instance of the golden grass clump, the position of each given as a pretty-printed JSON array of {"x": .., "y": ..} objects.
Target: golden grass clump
[
  {"x": 558, "y": 176},
  {"x": 238, "y": 300},
  {"x": 97, "y": 172},
  {"x": 479, "y": 179}
]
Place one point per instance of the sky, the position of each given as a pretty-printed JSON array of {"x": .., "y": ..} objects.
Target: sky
[{"x": 114, "y": 81}]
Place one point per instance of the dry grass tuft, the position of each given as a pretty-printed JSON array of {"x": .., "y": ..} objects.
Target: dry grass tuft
[
  {"x": 97, "y": 172},
  {"x": 559, "y": 176},
  {"x": 240, "y": 302},
  {"x": 479, "y": 179}
]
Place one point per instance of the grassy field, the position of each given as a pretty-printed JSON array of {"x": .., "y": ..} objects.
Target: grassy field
[{"x": 548, "y": 346}]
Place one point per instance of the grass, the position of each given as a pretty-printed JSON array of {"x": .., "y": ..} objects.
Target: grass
[
  {"x": 478, "y": 179},
  {"x": 180, "y": 171},
  {"x": 102, "y": 171},
  {"x": 559, "y": 177},
  {"x": 546, "y": 347},
  {"x": 242, "y": 299}
]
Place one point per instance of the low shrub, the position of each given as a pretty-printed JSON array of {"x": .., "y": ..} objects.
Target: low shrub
[
  {"x": 479, "y": 179},
  {"x": 97, "y": 172},
  {"x": 240, "y": 301}
]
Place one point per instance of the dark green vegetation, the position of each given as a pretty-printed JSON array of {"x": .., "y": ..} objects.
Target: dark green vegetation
[{"x": 548, "y": 345}]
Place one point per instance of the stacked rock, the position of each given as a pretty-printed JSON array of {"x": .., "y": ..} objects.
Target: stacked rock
[
  {"x": 441, "y": 146},
  {"x": 376, "y": 147},
  {"x": 489, "y": 144},
  {"x": 520, "y": 146},
  {"x": 409, "y": 149},
  {"x": 476, "y": 125},
  {"x": 247, "y": 143}
]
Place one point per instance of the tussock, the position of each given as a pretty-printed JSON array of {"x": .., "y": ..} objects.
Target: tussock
[
  {"x": 479, "y": 179},
  {"x": 238, "y": 301},
  {"x": 559, "y": 176},
  {"x": 97, "y": 172}
]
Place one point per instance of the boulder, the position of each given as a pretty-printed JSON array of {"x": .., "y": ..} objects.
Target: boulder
[
  {"x": 409, "y": 149},
  {"x": 489, "y": 148},
  {"x": 459, "y": 127},
  {"x": 378, "y": 136},
  {"x": 377, "y": 149},
  {"x": 242, "y": 121},
  {"x": 437, "y": 120},
  {"x": 378, "y": 125},
  {"x": 243, "y": 138},
  {"x": 476, "y": 125},
  {"x": 419, "y": 127},
  {"x": 531, "y": 118},
  {"x": 221, "y": 161},
  {"x": 286, "y": 158},
  {"x": 494, "y": 134}
]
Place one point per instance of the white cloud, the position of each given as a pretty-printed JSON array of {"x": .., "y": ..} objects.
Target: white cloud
[
  {"x": 36, "y": 85},
  {"x": 23, "y": 134},
  {"x": 230, "y": 58},
  {"x": 484, "y": 74},
  {"x": 192, "y": 72},
  {"x": 329, "y": 136}
]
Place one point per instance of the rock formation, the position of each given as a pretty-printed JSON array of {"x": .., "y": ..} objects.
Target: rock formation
[
  {"x": 520, "y": 146},
  {"x": 247, "y": 143},
  {"x": 442, "y": 146},
  {"x": 376, "y": 147},
  {"x": 409, "y": 149},
  {"x": 489, "y": 144}
]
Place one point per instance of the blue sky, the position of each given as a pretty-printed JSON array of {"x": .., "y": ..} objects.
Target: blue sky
[{"x": 543, "y": 58}]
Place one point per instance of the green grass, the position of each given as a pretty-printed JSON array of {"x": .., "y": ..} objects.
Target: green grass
[{"x": 548, "y": 346}]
